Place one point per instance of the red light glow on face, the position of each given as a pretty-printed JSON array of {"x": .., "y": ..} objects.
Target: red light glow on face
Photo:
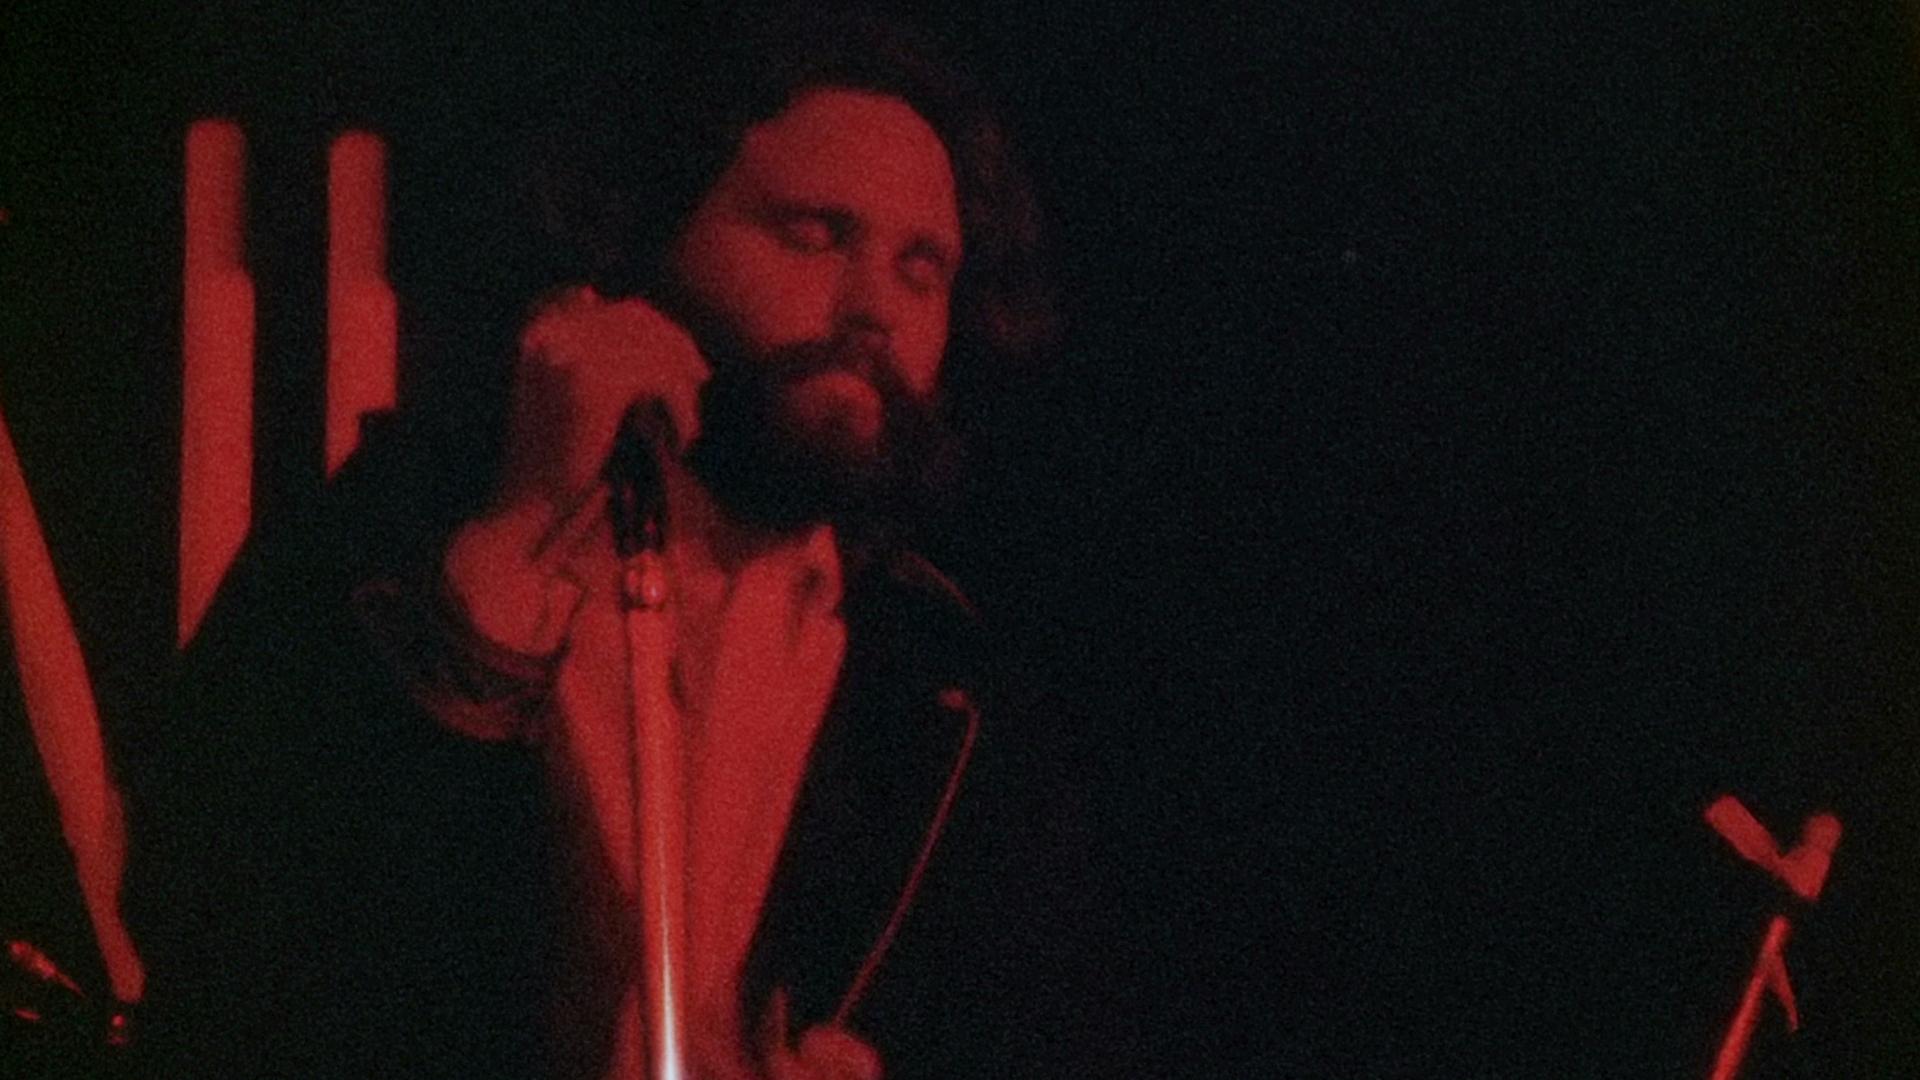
[{"x": 837, "y": 218}]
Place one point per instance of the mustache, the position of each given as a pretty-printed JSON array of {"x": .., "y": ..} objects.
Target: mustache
[
  {"x": 733, "y": 360},
  {"x": 842, "y": 354}
]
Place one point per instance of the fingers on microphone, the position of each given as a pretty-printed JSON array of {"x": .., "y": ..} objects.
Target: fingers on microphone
[
  {"x": 838, "y": 1053},
  {"x": 683, "y": 412},
  {"x": 824, "y": 1053},
  {"x": 773, "y": 1024},
  {"x": 665, "y": 366},
  {"x": 571, "y": 526},
  {"x": 553, "y": 323}
]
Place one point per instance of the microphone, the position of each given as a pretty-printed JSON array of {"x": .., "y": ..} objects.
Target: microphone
[
  {"x": 637, "y": 508},
  {"x": 637, "y": 504}
]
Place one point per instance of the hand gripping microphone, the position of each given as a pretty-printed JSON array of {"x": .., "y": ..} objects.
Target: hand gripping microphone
[{"x": 637, "y": 502}]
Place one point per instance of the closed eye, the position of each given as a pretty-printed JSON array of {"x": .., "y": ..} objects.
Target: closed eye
[
  {"x": 808, "y": 232},
  {"x": 926, "y": 268}
]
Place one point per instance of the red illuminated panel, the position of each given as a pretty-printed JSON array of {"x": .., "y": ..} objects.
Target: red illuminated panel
[
  {"x": 361, "y": 342},
  {"x": 216, "y": 423},
  {"x": 65, "y": 720}
]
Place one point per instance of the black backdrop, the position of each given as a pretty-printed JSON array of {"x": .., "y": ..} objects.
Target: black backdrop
[{"x": 1483, "y": 437}]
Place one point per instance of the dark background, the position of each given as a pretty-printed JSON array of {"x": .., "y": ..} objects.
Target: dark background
[{"x": 1482, "y": 438}]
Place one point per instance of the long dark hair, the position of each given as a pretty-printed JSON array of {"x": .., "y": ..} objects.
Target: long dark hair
[
  {"x": 613, "y": 180},
  {"x": 612, "y": 161}
]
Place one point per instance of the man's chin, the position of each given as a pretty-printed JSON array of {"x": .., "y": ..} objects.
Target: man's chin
[
  {"x": 787, "y": 495},
  {"x": 804, "y": 466}
]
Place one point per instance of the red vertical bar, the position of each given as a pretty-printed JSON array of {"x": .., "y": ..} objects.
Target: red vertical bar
[
  {"x": 361, "y": 336},
  {"x": 65, "y": 720},
  {"x": 1769, "y": 973},
  {"x": 216, "y": 429}
]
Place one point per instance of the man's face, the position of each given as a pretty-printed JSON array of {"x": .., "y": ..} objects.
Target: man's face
[{"x": 817, "y": 273}]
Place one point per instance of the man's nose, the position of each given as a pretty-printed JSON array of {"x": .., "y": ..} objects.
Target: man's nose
[{"x": 868, "y": 307}]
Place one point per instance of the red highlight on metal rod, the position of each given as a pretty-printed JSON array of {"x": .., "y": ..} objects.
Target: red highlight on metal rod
[
  {"x": 217, "y": 339},
  {"x": 361, "y": 310},
  {"x": 1769, "y": 974},
  {"x": 660, "y": 816}
]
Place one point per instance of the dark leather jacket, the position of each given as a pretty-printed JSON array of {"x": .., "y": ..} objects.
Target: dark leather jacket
[{"x": 326, "y": 882}]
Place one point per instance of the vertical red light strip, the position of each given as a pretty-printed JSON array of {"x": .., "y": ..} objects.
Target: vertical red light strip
[
  {"x": 361, "y": 342},
  {"x": 1769, "y": 973},
  {"x": 216, "y": 429},
  {"x": 65, "y": 719}
]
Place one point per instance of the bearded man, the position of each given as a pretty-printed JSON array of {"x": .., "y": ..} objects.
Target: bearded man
[{"x": 389, "y": 828}]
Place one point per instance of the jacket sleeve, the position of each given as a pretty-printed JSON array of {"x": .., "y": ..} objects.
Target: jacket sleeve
[
  {"x": 471, "y": 685},
  {"x": 324, "y": 879}
]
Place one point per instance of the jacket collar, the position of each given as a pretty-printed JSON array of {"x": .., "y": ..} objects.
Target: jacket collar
[{"x": 882, "y": 778}]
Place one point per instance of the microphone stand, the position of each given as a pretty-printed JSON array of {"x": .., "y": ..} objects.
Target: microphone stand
[{"x": 638, "y": 510}]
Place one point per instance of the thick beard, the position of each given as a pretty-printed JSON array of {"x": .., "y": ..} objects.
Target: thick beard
[{"x": 773, "y": 463}]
